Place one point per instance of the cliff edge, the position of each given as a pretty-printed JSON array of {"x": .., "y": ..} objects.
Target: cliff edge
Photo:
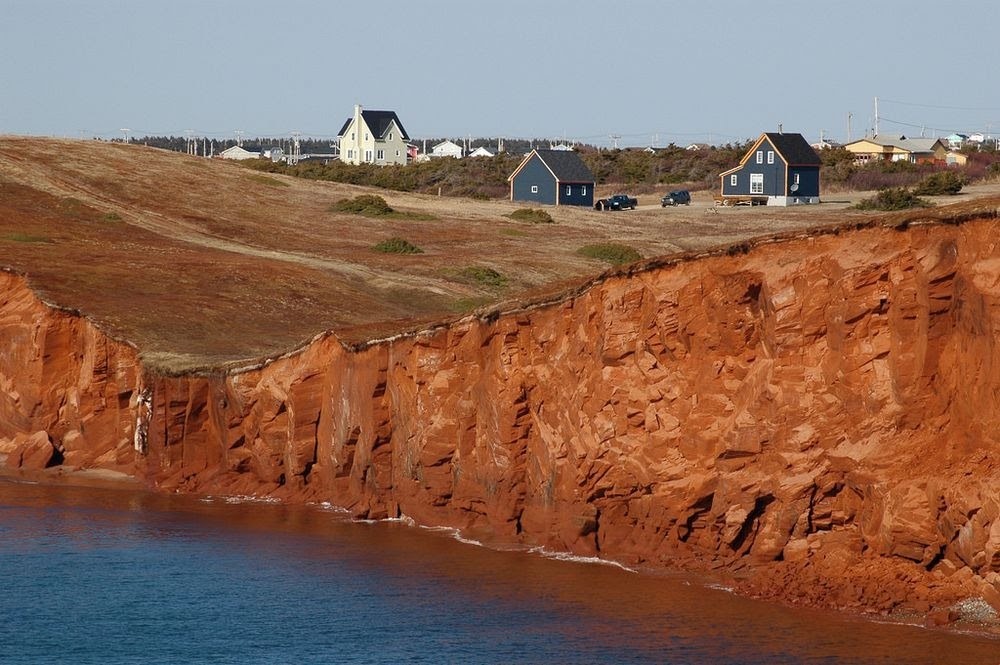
[{"x": 815, "y": 416}]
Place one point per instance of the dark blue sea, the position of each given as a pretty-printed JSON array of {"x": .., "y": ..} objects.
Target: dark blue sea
[{"x": 93, "y": 575}]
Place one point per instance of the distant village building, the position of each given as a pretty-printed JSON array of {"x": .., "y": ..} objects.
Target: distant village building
[
  {"x": 238, "y": 153},
  {"x": 956, "y": 141},
  {"x": 555, "y": 177},
  {"x": 447, "y": 149},
  {"x": 698, "y": 146},
  {"x": 898, "y": 149},
  {"x": 779, "y": 169},
  {"x": 481, "y": 152},
  {"x": 373, "y": 137}
]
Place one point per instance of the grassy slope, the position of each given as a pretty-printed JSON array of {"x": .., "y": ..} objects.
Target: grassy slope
[{"x": 203, "y": 263}]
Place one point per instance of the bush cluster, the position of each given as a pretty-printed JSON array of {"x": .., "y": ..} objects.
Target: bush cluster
[
  {"x": 531, "y": 215},
  {"x": 938, "y": 184},
  {"x": 368, "y": 205},
  {"x": 483, "y": 276},
  {"x": 893, "y": 198},
  {"x": 397, "y": 246}
]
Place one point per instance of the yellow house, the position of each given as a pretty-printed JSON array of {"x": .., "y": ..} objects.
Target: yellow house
[
  {"x": 373, "y": 137},
  {"x": 898, "y": 149}
]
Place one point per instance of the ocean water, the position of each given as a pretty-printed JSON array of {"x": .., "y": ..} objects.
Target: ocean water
[{"x": 119, "y": 576}]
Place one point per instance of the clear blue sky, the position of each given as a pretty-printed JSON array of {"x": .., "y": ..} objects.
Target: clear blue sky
[{"x": 685, "y": 70}]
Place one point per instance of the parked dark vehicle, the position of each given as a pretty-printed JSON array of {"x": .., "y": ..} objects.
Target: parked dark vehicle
[
  {"x": 616, "y": 202},
  {"x": 679, "y": 197}
]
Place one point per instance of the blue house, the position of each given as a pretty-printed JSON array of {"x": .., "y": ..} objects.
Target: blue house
[
  {"x": 555, "y": 177},
  {"x": 779, "y": 169}
]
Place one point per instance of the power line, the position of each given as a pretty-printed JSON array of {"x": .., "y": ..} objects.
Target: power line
[{"x": 948, "y": 108}]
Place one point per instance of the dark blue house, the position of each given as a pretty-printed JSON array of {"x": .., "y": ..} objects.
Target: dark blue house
[
  {"x": 556, "y": 177},
  {"x": 779, "y": 169}
]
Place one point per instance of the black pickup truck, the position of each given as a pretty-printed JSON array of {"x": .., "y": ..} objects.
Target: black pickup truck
[{"x": 616, "y": 202}]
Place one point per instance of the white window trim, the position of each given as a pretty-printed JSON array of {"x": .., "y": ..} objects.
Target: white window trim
[
  {"x": 733, "y": 180},
  {"x": 534, "y": 189},
  {"x": 756, "y": 183},
  {"x": 760, "y": 156},
  {"x": 569, "y": 190},
  {"x": 583, "y": 190},
  {"x": 770, "y": 157},
  {"x": 380, "y": 155},
  {"x": 795, "y": 178}
]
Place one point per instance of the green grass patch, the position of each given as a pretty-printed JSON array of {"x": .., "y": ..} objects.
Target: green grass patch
[
  {"x": 514, "y": 233},
  {"x": 893, "y": 198},
  {"x": 466, "y": 305},
  {"x": 531, "y": 215},
  {"x": 112, "y": 217},
  {"x": 397, "y": 246},
  {"x": 26, "y": 237},
  {"x": 483, "y": 276},
  {"x": 610, "y": 252},
  {"x": 262, "y": 179}
]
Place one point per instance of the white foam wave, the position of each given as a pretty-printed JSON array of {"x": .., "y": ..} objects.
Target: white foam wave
[{"x": 575, "y": 558}]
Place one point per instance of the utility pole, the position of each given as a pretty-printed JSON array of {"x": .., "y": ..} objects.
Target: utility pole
[
  {"x": 125, "y": 131},
  {"x": 614, "y": 140},
  {"x": 293, "y": 159},
  {"x": 849, "y": 116},
  {"x": 190, "y": 142},
  {"x": 239, "y": 137},
  {"x": 876, "y": 116}
]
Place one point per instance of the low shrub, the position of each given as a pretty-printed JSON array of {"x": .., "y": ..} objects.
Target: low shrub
[
  {"x": 367, "y": 205},
  {"x": 610, "y": 252},
  {"x": 893, "y": 198},
  {"x": 483, "y": 276},
  {"x": 940, "y": 183},
  {"x": 531, "y": 215},
  {"x": 397, "y": 246}
]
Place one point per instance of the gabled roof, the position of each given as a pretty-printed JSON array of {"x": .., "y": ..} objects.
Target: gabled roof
[
  {"x": 794, "y": 149},
  {"x": 565, "y": 165},
  {"x": 378, "y": 122}
]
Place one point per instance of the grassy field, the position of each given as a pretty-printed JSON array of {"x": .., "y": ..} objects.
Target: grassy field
[{"x": 202, "y": 263}]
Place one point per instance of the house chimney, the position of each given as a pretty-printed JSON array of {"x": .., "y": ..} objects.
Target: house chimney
[{"x": 780, "y": 129}]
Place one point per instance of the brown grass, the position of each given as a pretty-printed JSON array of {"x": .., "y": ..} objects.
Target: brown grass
[{"x": 200, "y": 265}]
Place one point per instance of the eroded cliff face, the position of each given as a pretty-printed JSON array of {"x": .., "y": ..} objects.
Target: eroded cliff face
[{"x": 818, "y": 415}]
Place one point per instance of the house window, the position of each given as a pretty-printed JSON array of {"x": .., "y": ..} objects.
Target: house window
[
  {"x": 795, "y": 178},
  {"x": 380, "y": 155},
  {"x": 352, "y": 136},
  {"x": 760, "y": 156},
  {"x": 368, "y": 155},
  {"x": 732, "y": 180},
  {"x": 770, "y": 157},
  {"x": 366, "y": 138},
  {"x": 756, "y": 183},
  {"x": 534, "y": 189},
  {"x": 569, "y": 189},
  {"x": 397, "y": 153},
  {"x": 583, "y": 190},
  {"x": 390, "y": 136}
]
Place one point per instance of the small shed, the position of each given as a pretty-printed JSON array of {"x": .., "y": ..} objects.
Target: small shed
[
  {"x": 554, "y": 177},
  {"x": 447, "y": 149},
  {"x": 779, "y": 169}
]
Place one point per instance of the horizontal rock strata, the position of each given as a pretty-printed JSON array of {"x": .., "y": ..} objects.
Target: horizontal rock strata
[{"x": 819, "y": 416}]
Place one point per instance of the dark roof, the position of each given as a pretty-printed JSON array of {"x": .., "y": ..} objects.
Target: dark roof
[
  {"x": 794, "y": 148},
  {"x": 566, "y": 165},
  {"x": 378, "y": 122}
]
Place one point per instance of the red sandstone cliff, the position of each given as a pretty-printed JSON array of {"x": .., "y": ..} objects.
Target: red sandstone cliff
[{"x": 821, "y": 412}]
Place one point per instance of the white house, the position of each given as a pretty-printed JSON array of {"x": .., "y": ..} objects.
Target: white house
[
  {"x": 373, "y": 137},
  {"x": 481, "y": 152},
  {"x": 239, "y": 153},
  {"x": 447, "y": 149}
]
